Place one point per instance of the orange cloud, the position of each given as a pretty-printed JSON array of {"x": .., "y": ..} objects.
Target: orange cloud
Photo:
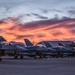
[{"x": 38, "y": 30}]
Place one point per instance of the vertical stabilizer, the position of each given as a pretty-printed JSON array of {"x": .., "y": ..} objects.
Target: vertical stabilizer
[
  {"x": 47, "y": 44},
  {"x": 2, "y": 39},
  {"x": 60, "y": 44},
  {"x": 28, "y": 43}
]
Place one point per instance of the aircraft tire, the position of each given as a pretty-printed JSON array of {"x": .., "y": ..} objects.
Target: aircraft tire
[
  {"x": 0, "y": 59},
  {"x": 35, "y": 57},
  {"x": 44, "y": 56},
  {"x": 16, "y": 57},
  {"x": 21, "y": 57},
  {"x": 57, "y": 56}
]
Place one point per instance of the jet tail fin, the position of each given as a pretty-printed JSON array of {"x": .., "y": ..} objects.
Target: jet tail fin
[
  {"x": 2, "y": 39},
  {"x": 28, "y": 43},
  {"x": 60, "y": 44},
  {"x": 47, "y": 44}
]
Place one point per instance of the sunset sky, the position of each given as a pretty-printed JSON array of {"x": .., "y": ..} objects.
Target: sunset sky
[{"x": 37, "y": 20}]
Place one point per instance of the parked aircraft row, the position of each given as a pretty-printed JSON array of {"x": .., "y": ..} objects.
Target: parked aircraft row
[{"x": 39, "y": 50}]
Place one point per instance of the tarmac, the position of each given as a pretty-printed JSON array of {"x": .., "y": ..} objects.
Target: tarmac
[{"x": 29, "y": 66}]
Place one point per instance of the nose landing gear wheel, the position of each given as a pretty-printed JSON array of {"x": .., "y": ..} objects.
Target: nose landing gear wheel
[
  {"x": 0, "y": 59},
  {"x": 21, "y": 57}
]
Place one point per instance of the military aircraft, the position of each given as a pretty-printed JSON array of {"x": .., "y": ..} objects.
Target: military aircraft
[
  {"x": 67, "y": 50},
  {"x": 52, "y": 51},
  {"x": 59, "y": 51},
  {"x": 27, "y": 51},
  {"x": 36, "y": 49},
  {"x": 9, "y": 48}
]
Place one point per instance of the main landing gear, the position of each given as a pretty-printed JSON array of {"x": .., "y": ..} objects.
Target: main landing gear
[
  {"x": 16, "y": 57},
  {"x": 0, "y": 59}
]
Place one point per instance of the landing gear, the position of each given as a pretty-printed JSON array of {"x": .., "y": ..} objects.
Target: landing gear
[
  {"x": 15, "y": 57},
  {"x": 21, "y": 57},
  {"x": 39, "y": 55},
  {"x": 0, "y": 59}
]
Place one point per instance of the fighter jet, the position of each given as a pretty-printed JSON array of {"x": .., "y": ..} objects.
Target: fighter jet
[
  {"x": 7, "y": 48},
  {"x": 61, "y": 50},
  {"x": 52, "y": 51},
  {"x": 37, "y": 50},
  {"x": 27, "y": 51},
  {"x": 66, "y": 50}
]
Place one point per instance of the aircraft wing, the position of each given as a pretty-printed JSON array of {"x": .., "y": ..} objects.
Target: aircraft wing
[{"x": 8, "y": 48}]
